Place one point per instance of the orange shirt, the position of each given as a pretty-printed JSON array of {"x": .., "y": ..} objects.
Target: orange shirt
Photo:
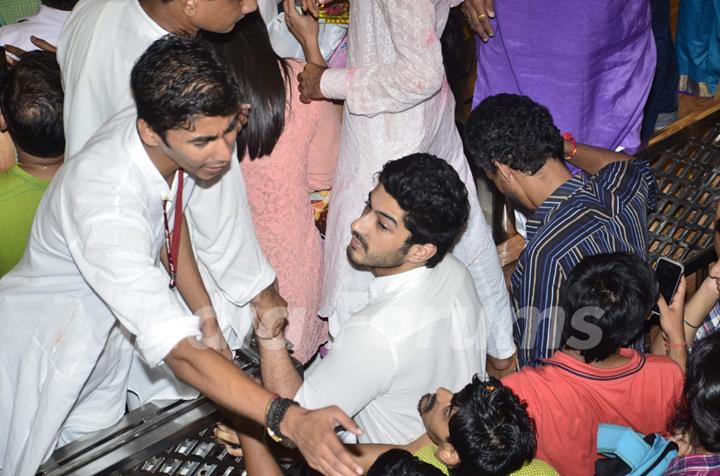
[{"x": 568, "y": 399}]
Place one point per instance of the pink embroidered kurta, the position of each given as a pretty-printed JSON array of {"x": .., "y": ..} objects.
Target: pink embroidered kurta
[
  {"x": 278, "y": 184},
  {"x": 397, "y": 102}
]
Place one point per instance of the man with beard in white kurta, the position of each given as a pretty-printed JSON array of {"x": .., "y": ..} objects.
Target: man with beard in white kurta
[
  {"x": 397, "y": 101},
  {"x": 93, "y": 268},
  {"x": 98, "y": 46}
]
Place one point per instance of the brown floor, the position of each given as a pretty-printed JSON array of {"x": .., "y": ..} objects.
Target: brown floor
[{"x": 692, "y": 108}]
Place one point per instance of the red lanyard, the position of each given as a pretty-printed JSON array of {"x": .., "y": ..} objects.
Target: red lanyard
[{"x": 172, "y": 244}]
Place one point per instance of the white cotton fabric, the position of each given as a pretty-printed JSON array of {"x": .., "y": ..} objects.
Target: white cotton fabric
[
  {"x": 45, "y": 24},
  {"x": 92, "y": 258},
  {"x": 99, "y": 45},
  {"x": 421, "y": 330},
  {"x": 397, "y": 102}
]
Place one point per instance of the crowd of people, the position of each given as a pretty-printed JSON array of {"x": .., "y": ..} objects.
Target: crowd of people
[{"x": 157, "y": 215}]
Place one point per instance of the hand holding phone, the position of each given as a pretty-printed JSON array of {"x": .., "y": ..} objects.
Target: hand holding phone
[{"x": 668, "y": 273}]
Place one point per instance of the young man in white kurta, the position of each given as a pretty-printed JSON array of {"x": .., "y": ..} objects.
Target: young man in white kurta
[
  {"x": 397, "y": 102},
  {"x": 97, "y": 49},
  {"x": 92, "y": 271},
  {"x": 420, "y": 331},
  {"x": 423, "y": 326}
]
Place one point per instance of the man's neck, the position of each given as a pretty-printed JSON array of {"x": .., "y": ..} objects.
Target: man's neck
[
  {"x": 548, "y": 179},
  {"x": 43, "y": 168},
  {"x": 403, "y": 268},
  {"x": 169, "y": 16},
  {"x": 164, "y": 164},
  {"x": 611, "y": 362}
]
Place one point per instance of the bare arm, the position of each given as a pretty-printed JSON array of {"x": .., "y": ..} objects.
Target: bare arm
[
  {"x": 305, "y": 29},
  {"x": 276, "y": 367},
  {"x": 702, "y": 302},
  {"x": 593, "y": 159},
  {"x": 312, "y": 431},
  {"x": 671, "y": 323}
]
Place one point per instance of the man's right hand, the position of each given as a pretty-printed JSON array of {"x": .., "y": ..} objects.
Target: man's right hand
[
  {"x": 313, "y": 431},
  {"x": 478, "y": 14}
]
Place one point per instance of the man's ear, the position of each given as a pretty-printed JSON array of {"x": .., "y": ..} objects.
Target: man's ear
[
  {"x": 189, "y": 7},
  {"x": 503, "y": 170},
  {"x": 447, "y": 454},
  {"x": 148, "y": 136},
  {"x": 421, "y": 253}
]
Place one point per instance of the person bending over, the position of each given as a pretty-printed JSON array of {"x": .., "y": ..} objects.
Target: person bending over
[
  {"x": 516, "y": 142},
  {"x": 594, "y": 378}
]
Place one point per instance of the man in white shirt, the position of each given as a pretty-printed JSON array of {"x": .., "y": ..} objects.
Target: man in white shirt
[
  {"x": 397, "y": 101},
  {"x": 92, "y": 271},
  {"x": 45, "y": 24},
  {"x": 98, "y": 46},
  {"x": 423, "y": 327}
]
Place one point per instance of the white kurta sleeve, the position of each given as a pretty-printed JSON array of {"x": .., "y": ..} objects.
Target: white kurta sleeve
[
  {"x": 416, "y": 73},
  {"x": 360, "y": 366},
  {"x": 223, "y": 235},
  {"x": 112, "y": 246}
]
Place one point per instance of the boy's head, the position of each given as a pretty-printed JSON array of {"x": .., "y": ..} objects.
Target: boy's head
[
  {"x": 414, "y": 214},
  {"x": 482, "y": 429},
  {"x": 187, "y": 104},
  {"x": 399, "y": 462},
  {"x": 606, "y": 300},
  {"x": 31, "y": 105}
]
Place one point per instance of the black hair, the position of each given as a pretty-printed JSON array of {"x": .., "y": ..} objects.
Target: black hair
[
  {"x": 397, "y": 462},
  {"x": 698, "y": 414},
  {"x": 512, "y": 130},
  {"x": 65, "y": 5},
  {"x": 31, "y": 100},
  {"x": 433, "y": 198},
  {"x": 177, "y": 79},
  {"x": 264, "y": 79},
  {"x": 614, "y": 292},
  {"x": 490, "y": 430}
]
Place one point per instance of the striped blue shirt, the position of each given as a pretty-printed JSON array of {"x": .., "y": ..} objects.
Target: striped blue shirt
[{"x": 587, "y": 215}]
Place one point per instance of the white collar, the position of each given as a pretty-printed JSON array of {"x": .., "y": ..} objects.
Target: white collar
[{"x": 385, "y": 285}]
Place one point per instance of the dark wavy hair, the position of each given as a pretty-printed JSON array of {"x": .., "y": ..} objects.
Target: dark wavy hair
[
  {"x": 264, "y": 79},
  {"x": 397, "y": 462},
  {"x": 512, "y": 130},
  {"x": 622, "y": 287},
  {"x": 177, "y": 79},
  {"x": 31, "y": 100},
  {"x": 490, "y": 430},
  {"x": 698, "y": 414},
  {"x": 433, "y": 197}
]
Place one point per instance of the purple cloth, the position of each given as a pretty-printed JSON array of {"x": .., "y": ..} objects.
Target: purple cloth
[
  {"x": 694, "y": 465},
  {"x": 590, "y": 62}
]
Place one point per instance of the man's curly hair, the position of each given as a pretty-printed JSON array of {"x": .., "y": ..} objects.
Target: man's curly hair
[{"x": 513, "y": 130}]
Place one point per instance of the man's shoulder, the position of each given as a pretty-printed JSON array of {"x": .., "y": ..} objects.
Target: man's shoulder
[{"x": 663, "y": 365}]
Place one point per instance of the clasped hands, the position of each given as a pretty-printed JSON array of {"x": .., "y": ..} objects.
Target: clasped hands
[{"x": 271, "y": 314}]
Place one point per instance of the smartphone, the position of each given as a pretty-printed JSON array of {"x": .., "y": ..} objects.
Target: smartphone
[{"x": 668, "y": 273}]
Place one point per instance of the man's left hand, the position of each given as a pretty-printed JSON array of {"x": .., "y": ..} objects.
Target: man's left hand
[{"x": 309, "y": 79}]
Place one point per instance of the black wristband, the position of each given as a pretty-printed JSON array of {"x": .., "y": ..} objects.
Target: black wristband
[{"x": 276, "y": 413}]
